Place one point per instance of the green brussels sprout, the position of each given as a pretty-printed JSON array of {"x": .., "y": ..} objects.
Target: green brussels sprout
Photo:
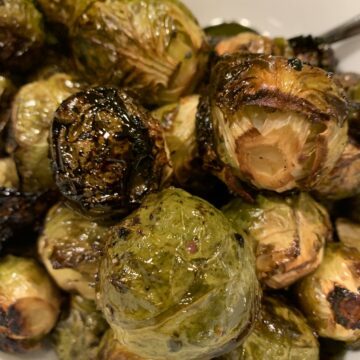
[
  {"x": 70, "y": 247},
  {"x": 29, "y": 302},
  {"x": 32, "y": 114},
  {"x": 344, "y": 179},
  {"x": 176, "y": 281},
  {"x": 249, "y": 42},
  {"x": 155, "y": 47},
  {"x": 275, "y": 123},
  {"x": 78, "y": 334},
  {"x": 8, "y": 174},
  {"x": 348, "y": 232},
  {"x": 330, "y": 297},
  {"x": 108, "y": 152},
  {"x": 111, "y": 349},
  {"x": 21, "y": 34},
  {"x": 281, "y": 333},
  {"x": 288, "y": 235}
]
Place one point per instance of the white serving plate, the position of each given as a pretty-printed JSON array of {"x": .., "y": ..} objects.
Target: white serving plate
[{"x": 275, "y": 17}]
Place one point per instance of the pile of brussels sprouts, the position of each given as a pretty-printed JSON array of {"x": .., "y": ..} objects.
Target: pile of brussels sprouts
[{"x": 174, "y": 193}]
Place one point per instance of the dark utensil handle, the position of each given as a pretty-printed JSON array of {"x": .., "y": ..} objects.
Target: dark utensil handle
[{"x": 348, "y": 29}]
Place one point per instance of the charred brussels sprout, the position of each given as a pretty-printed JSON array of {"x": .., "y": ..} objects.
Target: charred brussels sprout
[
  {"x": 275, "y": 123},
  {"x": 29, "y": 304},
  {"x": 32, "y": 114},
  {"x": 152, "y": 46},
  {"x": 78, "y": 335},
  {"x": 308, "y": 49},
  {"x": 108, "y": 152},
  {"x": 330, "y": 297},
  {"x": 288, "y": 235},
  {"x": 344, "y": 179},
  {"x": 177, "y": 281},
  {"x": 70, "y": 247},
  {"x": 281, "y": 333},
  {"x": 21, "y": 34},
  {"x": 111, "y": 349}
]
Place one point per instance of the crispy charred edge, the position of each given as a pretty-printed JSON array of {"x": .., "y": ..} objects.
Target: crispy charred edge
[
  {"x": 308, "y": 46},
  {"x": 233, "y": 87},
  {"x": 72, "y": 256},
  {"x": 151, "y": 145},
  {"x": 345, "y": 306},
  {"x": 21, "y": 210},
  {"x": 208, "y": 153}
]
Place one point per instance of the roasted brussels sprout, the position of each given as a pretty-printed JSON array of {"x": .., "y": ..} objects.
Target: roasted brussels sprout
[
  {"x": 281, "y": 333},
  {"x": 111, "y": 349},
  {"x": 288, "y": 235},
  {"x": 70, "y": 248},
  {"x": 330, "y": 297},
  {"x": 314, "y": 51},
  {"x": 275, "y": 123},
  {"x": 344, "y": 179},
  {"x": 178, "y": 123},
  {"x": 308, "y": 49},
  {"x": 78, "y": 335},
  {"x": 249, "y": 42},
  {"x": 108, "y": 152},
  {"x": 21, "y": 34},
  {"x": 32, "y": 114},
  {"x": 29, "y": 304},
  {"x": 177, "y": 281},
  {"x": 348, "y": 232},
  {"x": 8, "y": 174},
  {"x": 155, "y": 47}
]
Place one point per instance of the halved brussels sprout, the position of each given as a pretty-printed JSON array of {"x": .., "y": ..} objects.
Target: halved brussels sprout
[
  {"x": 21, "y": 34},
  {"x": 32, "y": 114},
  {"x": 275, "y": 123},
  {"x": 344, "y": 179},
  {"x": 111, "y": 349},
  {"x": 330, "y": 297},
  {"x": 70, "y": 248},
  {"x": 348, "y": 232},
  {"x": 77, "y": 336},
  {"x": 29, "y": 302},
  {"x": 176, "y": 281},
  {"x": 288, "y": 235},
  {"x": 155, "y": 47},
  {"x": 281, "y": 333},
  {"x": 108, "y": 152}
]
